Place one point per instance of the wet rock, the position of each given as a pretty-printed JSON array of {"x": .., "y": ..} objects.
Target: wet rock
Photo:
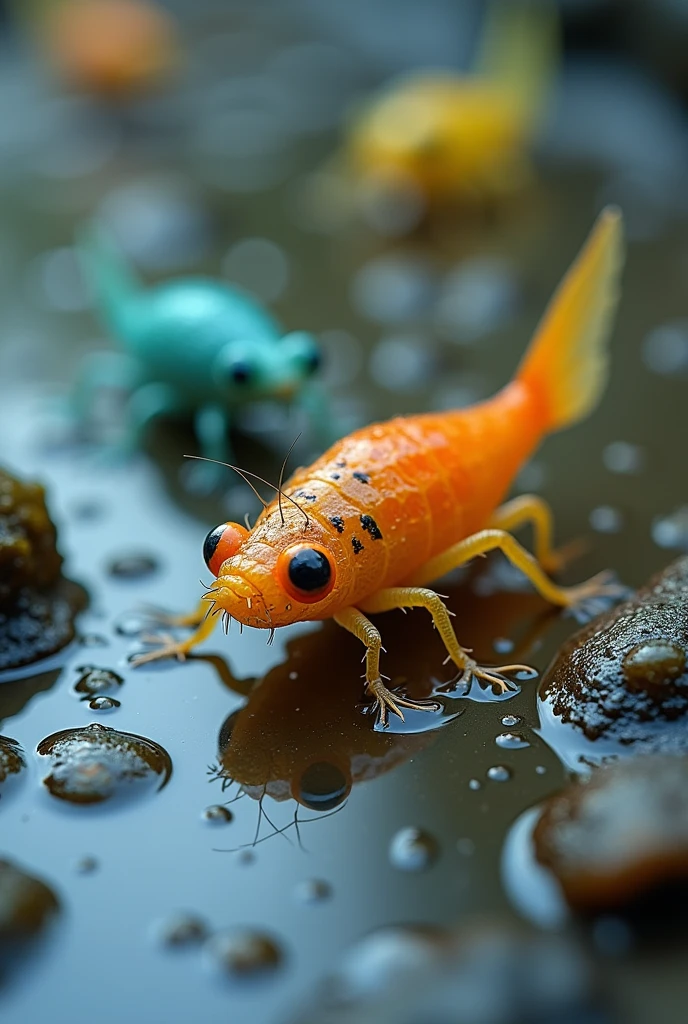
[
  {"x": 93, "y": 681},
  {"x": 243, "y": 954},
  {"x": 26, "y": 904},
  {"x": 37, "y": 606},
  {"x": 617, "y": 836},
  {"x": 483, "y": 972},
  {"x": 624, "y": 676},
  {"x": 12, "y": 760},
  {"x": 95, "y": 764}
]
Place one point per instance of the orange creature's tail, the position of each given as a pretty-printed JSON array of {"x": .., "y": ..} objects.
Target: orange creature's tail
[{"x": 567, "y": 363}]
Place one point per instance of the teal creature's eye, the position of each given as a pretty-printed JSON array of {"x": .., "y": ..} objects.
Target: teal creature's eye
[
  {"x": 312, "y": 361},
  {"x": 241, "y": 372}
]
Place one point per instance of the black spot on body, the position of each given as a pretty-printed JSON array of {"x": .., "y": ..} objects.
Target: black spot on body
[
  {"x": 341, "y": 464},
  {"x": 334, "y": 476},
  {"x": 362, "y": 477},
  {"x": 338, "y": 523},
  {"x": 306, "y": 497},
  {"x": 356, "y": 545},
  {"x": 369, "y": 524}
]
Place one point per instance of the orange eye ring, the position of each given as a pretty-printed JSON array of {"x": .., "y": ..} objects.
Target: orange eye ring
[
  {"x": 221, "y": 543},
  {"x": 306, "y": 572}
]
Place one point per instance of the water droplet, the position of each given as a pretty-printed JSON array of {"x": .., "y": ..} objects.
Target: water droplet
[
  {"x": 217, "y": 814},
  {"x": 181, "y": 930},
  {"x": 511, "y": 741},
  {"x": 665, "y": 349},
  {"x": 466, "y": 847},
  {"x": 93, "y": 640},
  {"x": 132, "y": 567},
  {"x": 499, "y": 773},
  {"x": 104, "y": 704},
  {"x": 97, "y": 763},
  {"x": 243, "y": 954},
  {"x": 509, "y": 721},
  {"x": 502, "y": 645},
  {"x": 475, "y": 784},
  {"x": 413, "y": 849},
  {"x": 540, "y": 769},
  {"x": 86, "y": 865},
  {"x": 393, "y": 289},
  {"x": 313, "y": 890},
  {"x": 96, "y": 681},
  {"x": 605, "y": 519},
  {"x": 293, "y": 675},
  {"x": 672, "y": 531},
  {"x": 622, "y": 457}
]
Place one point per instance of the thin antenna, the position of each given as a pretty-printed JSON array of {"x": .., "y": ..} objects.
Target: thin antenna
[
  {"x": 281, "y": 477},
  {"x": 243, "y": 473}
]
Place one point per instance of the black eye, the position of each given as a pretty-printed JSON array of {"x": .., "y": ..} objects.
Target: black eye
[
  {"x": 312, "y": 362},
  {"x": 309, "y": 570},
  {"x": 322, "y": 787},
  {"x": 241, "y": 373}
]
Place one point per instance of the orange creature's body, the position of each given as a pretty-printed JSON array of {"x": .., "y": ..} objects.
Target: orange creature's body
[{"x": 395, "y": 505}]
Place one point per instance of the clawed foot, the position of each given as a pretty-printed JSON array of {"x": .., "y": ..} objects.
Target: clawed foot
[
  {"x": 169, "y": 620},
  {"x": 165, "y": 646},
  {"x": 385, "y": 702},
  {"x": 499, "y": 676},
  {"x": 595, "y": 596}
]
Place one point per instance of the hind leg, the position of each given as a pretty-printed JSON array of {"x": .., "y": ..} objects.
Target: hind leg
[{"x": 528, "y": 508}]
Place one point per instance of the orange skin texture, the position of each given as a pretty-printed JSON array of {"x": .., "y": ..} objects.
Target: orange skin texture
[
  {"x": 111, "y": 47},
  {"x": 426, "y": 482}
]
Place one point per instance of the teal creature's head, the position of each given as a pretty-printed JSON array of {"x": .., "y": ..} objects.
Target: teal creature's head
[{"x": 254, "y": 367}]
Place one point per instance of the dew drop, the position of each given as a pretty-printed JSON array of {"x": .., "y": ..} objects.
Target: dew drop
[
  {"x": 313, "y": 890},
  {"x": 180, "y": 931},
  {"x": 104, "y": 704},
  {"x": 243, "y": 954},
  {"x": 93, "y": 640},
  {"x": 624, "y": 458},
  {"x": 413, "y": 849},
  {"x": 217, "y": 814},
  {"x": 87, "y": 865},
  {"x": 132, "y": 567},
  {"x": 511, "y": 741},
  {"x": 475, "y": 784},
  {"x": 90, "y": 765},
  {"x": 540, "y": 769},
  {"x": 502, "y": 645},
  {"x": 95, "y": 681},
  {"x": 605, "y": 519},
  {"x": 509, "y": 721},
  {"x": 499, "y": 773}
]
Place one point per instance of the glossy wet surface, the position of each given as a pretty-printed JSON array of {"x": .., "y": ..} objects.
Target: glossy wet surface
[{"x": 289, "y": 828}]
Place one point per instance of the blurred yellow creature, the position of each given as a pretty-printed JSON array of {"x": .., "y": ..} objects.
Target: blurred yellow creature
[{"x": 462, "y": 137}]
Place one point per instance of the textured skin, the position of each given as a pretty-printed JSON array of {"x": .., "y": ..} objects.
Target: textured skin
[{"x": 421, "y": 482}]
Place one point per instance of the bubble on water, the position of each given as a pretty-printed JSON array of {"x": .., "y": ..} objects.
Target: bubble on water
[
  {"x": 93, "y": 640},
  {"x": 94, "y": 764},
  {"x": 104, "y": 704},
  {"x": 672, "y": 531},
  {"x": 243, "y": 954},
  {"x": 56, "y": 278},
  {"x": 665, "y": 349},
  {"x": 313, "y": 890},
  {"x": 180, "y": 931},
  {"x": 509, "y": 721},
  {"x": 258, "y": 265},
  {"x": 87, "y": 865},
  {"x": 624, "y": 458},
  {"x": 466, "y": 847},
  {"x": 12, "y": 761},
  {"x": 475, "y": 784},
  {"x": 477, "y": 297},
  {"x": 413, "y": 849},
  {"x": 502, "y": 645},
  {"x": 606, "y": 519},
  {"x": 511, "y": 741},
  {"x": 132, "y": 567},
  {"x": 540, "y": 769},
  {"x": 217, "y": 814},
  {"x": 393, "y": 289},
  {"x": 322, "y": 787},
  {"x": 96, "y": 681},
  {"x": 499, "y": 773},
  {"x": 403, "y": 363},
  {"x": 132, "y": 624}
]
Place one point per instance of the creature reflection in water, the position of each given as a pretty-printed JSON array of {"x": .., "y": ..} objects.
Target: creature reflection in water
[{"x": 300, "y": 735}]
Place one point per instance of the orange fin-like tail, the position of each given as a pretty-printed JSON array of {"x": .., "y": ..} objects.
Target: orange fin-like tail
[{"x": 567, "y": 363}]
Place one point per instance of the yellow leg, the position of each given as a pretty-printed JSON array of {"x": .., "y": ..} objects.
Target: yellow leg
[
  {"x": 491, "y": 540},
  {"x": 421, "y": 597},
  {"x": 190, "y": 620},
  {"x": 528, "y": 508},
  {"x": 385, "y": 701},
  {"x": 168, "y": 647}
]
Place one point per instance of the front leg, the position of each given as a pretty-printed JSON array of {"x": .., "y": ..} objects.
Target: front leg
[
  {"x": 211, "y": 424},
  {"x": 165, "y": 646},
  {"x": 420, "y": 597},
  {"x": 385, "y": 701}
]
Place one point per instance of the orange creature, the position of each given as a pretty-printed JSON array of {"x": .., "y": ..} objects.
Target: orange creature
[{"x": 396, "y": 505}]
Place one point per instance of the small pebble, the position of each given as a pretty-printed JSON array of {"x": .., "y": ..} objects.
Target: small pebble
[
  {"x": 181, "y": 930},
  {"x": 243, "y": 954}
]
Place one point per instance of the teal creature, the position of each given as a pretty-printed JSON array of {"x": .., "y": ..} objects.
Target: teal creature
[{"x": 191, "y": 346}]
